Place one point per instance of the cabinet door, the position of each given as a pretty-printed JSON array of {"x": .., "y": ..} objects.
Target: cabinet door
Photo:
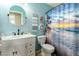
[
  {"x": 31, "y": 46},
  {"x": 14, "y": 48},
  {"x": 20, "y": 47},
  {"x": 6, "y": 47},
  {"x": 20, "y": 50}
]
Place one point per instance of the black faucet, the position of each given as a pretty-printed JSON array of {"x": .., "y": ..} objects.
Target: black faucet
[{"x": 18, "y": 32}]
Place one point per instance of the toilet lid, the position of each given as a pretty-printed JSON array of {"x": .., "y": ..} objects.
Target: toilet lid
[{"x": 48, "y": 46}]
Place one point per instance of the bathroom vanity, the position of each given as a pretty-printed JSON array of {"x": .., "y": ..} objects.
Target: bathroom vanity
[{"x": 19, "y": 45}]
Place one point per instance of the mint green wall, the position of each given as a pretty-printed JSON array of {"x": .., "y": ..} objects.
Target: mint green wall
[
  {"x": 7, "y": 28},
  {"x": 40, "y": 9}
]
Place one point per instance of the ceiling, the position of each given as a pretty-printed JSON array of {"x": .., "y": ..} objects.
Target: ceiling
[{"x": 53, "y": 4}]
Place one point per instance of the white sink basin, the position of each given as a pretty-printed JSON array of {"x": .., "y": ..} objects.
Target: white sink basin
[{"x": 17, "y": 37}]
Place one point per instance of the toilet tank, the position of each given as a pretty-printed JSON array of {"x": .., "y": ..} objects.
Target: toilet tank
[{"x": 41, "y": 39}]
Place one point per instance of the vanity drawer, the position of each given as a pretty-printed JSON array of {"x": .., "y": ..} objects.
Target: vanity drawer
[
  {"x": 31, "y": 52},
  {"x": 19, "y": 41},
  {"x": 7, "y": 43},
  {"x": 31, "y": 40}
]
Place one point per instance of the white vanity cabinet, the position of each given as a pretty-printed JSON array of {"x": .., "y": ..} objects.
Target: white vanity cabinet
[{"x": 18, "y": 47}]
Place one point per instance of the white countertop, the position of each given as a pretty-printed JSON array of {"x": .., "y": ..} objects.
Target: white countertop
[{"x": 17, "y": 36}]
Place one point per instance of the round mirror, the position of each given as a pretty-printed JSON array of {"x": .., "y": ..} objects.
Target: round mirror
[{"x": 17, "y": 15}]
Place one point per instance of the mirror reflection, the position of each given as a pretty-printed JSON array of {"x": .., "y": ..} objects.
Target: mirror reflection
[{"x": 17, "y": 15}]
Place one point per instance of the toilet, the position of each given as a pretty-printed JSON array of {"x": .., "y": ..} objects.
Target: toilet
[{"x": 46, "y": 49}]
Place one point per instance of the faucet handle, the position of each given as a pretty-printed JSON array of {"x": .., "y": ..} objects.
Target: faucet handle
[
  {"x": 14, "y": 33},
  {"x": 22, "y": 33}
]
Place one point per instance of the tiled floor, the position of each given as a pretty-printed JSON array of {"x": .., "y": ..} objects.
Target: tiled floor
[{"x": 38, "y": 53}]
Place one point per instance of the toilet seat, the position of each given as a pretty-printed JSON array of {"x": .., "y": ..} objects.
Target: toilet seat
[{"x": 48, "y": 47}]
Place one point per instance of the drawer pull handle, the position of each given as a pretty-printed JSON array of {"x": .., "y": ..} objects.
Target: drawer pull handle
[
  {"x": 25, "y": 46},
  {"x": 30, "y": 44},
  {"x": 0, "y": 52},
  {"x": 30, "y": 50},
  {"x": 14, "y": 53}
]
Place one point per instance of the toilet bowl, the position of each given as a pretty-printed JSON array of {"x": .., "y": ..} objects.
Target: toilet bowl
[{"x": 46, "y": 49}]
